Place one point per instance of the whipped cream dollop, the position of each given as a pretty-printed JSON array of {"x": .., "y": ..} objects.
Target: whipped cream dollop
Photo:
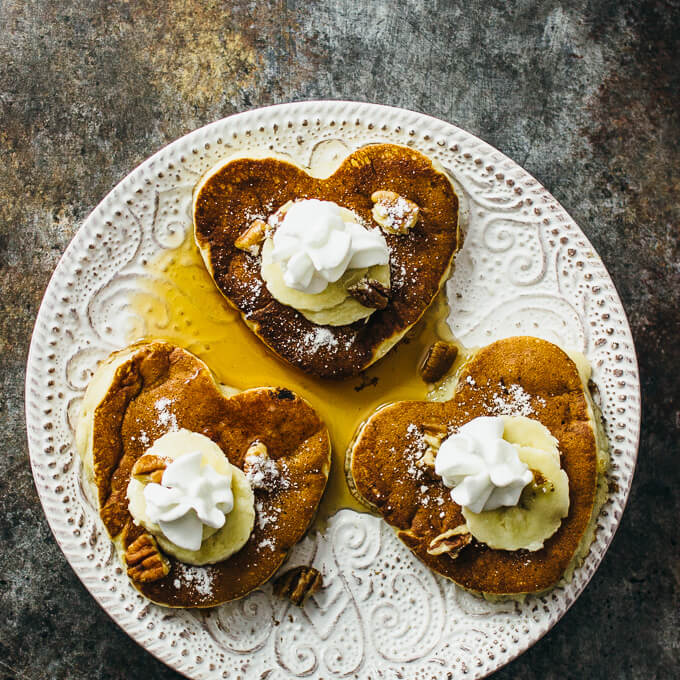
[
  {"x": 483, "y": 470},
  {"x": 316, "y": 246},
  {"x": 189, "y": 496}
]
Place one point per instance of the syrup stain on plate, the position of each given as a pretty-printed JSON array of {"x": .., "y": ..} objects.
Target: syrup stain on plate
[{"x": 179, "y": 302}]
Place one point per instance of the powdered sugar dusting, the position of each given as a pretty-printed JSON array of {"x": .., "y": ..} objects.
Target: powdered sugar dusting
[
  {"x": 263, "y": 213},
  {"x": 250, "y": 288},
  {"x": 504, "y": 400},
  {"x": 393, "y": 213},
  {"x": 412, "y": 430},
  {"x": 319, "y": 337},
  {"x": 263, "y": 473},
  {"x": 164, "y": 415},
  {"x": 266, "y": 543},
  {"x": 416, "y": 445},
  {"x": 321, "y": 340},
  {"x": 198, "y": 578},
  {"x": 266, "y": 476},
  {"x": 414, "y": 450},
  {"x": 251, "y": 215},
  {"x": 143, "y": 438},
  {"x": 266, "y": 514},
  {"x": 401, "y": 276},
  {"x": 517, "y": 402}
]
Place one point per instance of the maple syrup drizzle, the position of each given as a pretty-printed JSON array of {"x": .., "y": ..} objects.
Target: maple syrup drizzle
[{"x": 177, "y": 301}]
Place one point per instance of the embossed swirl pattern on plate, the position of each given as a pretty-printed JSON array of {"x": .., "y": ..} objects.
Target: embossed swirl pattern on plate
[{"x": 525, "y": 268}]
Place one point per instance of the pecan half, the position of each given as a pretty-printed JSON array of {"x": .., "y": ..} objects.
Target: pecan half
[
  {"x": 394, "y": 213},
  {"x": 438, "y": 361},
  {"x": 370, "y": 293},
  {"x": 451, "y": 542},
  {"x": 298, "y": 584},
  {"x": 149, "y": 468},
  {"x": 251, "y": 239},
  {"x": 145, "y": 561}
]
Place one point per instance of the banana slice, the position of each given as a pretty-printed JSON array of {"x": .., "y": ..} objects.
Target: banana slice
[
  {"x": 217, "y": 544},
  {"x": 333, "y": 306},
  {"x": 347, "y": 312},
  {"x": 543, "y": 504}
]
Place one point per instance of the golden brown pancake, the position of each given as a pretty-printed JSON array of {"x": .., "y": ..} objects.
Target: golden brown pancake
[
  {"x": 126, "y": 422},
  {"x": 383, "y": 473},
  {"x": 228, "y": 200}
]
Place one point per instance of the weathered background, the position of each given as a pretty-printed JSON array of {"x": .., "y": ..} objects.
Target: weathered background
[{"x": 584, "y": 95}]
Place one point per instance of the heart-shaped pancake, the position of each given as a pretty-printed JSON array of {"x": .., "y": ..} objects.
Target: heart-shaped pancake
[
  {"x": 383, "y": 472},
  {"x": 150, "y": 389},
  {"x": 229, "y": 198}
]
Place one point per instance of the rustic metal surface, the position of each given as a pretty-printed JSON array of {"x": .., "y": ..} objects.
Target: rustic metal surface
[{"x": 584, "y": 95}]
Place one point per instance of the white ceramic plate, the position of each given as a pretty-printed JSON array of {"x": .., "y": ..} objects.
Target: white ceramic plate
[{"x": 526, "y": 268}]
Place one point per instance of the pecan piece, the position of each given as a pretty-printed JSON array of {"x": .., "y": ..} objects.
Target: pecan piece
[
  {"x": 370, "y": 293},
  {"x": 149, "y": 468},
  {"x": 145, "y": 561},
  {"x": 256, "y": 456},
  {"x": 251, "y": 239},
  {"x": 260, "y": 470},
  {"x": 438, "y": 361},
  {"x": 541, "y": 483},
  {"x": 435, "y": 429},
  {"x": 451, "y": 542},
  {"x": 298, "y": 584},
  {"x": 257, "y": 448},
  {"x": 394, "y": 213},
  {"x": 426, "y": 462},
  {"x": 434, "y": 434},
  {"x": 277, "y": 217}
]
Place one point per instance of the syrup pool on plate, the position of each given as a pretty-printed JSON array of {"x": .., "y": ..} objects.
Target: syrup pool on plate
[{"x": 179, "y": 302}]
